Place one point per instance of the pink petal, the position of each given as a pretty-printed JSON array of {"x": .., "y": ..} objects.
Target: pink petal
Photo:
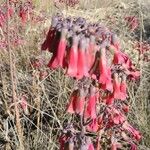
[
  {"x": 108, "y": 85},
  {"x": 135, "y": 74},
  {"x": 91, "y": 107},
  {"x": 105, "y": 73},
  {"x": 125, "y": 108},
  {"x": 93, "y": 126},
  {"x": 82, "y": 65},
  {"x": 58, "y": 60},
  {"x": 90, "y": 110},
  {"x": 72, "y": 105},
  {"x": 62, "y": 141},
  {"x": 133, "y": 147},
  {"x": 118, "y": 119},
  {"x": 80, "y": 105},
  {"x": 91, "y": 53},
  {"x": 91, "y": 147},
  {"x": 113, "y": 147},
  {"x": 73, "y": 60},
  {"x": 109, "y": 100},
  {"x": 118, "y": 57},
  {"x": 77, "y": 103},
  {"x": 116, "y": 86}
]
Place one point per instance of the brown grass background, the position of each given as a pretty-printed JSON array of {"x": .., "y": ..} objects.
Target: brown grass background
[{"x": 47, "y": 98}]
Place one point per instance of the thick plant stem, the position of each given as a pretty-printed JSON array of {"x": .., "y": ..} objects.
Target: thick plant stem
[{"x": 13, "y": 81}]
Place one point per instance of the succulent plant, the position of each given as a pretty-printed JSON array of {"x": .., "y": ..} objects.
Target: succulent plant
[{"x": 100, "y": 97}]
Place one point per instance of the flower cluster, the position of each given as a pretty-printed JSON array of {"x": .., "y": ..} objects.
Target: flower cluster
[
  {"x": 23, "y": 10},
  {"x": 91, "y": 54},
  {"x": 20, "y": 12},
  {"x": 7, "y": 13}
]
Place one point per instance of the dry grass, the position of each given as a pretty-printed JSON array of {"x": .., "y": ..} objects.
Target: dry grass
[{"x": 47, "y": 98}]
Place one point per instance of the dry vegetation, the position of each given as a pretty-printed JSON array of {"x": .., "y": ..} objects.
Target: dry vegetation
[{"x": 47, "y": 98}]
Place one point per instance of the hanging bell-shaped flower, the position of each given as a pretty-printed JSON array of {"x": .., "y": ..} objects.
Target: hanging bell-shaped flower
[
  {"x": 73, "y": 58},
  {"x": 82, "y": 65},
  {"x": 90, "y": 110},
  {"x": 58, "y": 60}
]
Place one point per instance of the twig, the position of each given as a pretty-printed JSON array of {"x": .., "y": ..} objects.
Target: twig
[{"x": 13, "y": 74}]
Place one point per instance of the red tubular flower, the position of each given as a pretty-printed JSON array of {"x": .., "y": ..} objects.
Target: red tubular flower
[
  {"x": 77, "y": 102},
  {"x": 80, "y": 105},
  {"x": 134, "y": 74},
  {"x": 94, "y": 71},
  {"x": 133, "y": 146},
  {"x": 116, "y": 116},
  {"x": 91, "y": 147},
  {"x": 109, "y": 100},
  {"x": 98, "y": 95},
  {"x": 73, "y": 58},
  {"x": 118, "y": 57},
  {"x": 90, "y": 110},
  {"x": 133, "y": 131},
  {"x": 105, "y": 74},
  {"x": 51, "y": 36},
  {"x": 49, "y": 40},
  {"x": 82, "y": 66},
  {"x": 72, "y": 105},
  {"x": 93, "y": 126},
  {"x": 116, "y": 86},
  {"x": 98, "y": 145},
  {"x": 62, "y": 140},
  {"x": 113, "y": 146},
  {"x": 108, "y": 86},
  {"x": 70, "y": 144},
  {"x": 58, "y": 60},
  {"x": 91, "y": 52},
  {"x": 125, "y": 108},
  {"x": 86, "y": 144}
]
